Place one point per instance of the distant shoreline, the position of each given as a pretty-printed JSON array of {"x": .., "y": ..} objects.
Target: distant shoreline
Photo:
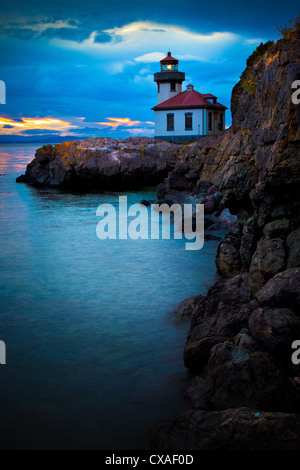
[{"x": 51, "y": 140}]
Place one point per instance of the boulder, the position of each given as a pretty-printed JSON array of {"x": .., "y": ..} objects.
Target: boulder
[
  {"x": 293, "y": 245},
  {"x": 277, "y": 228},
  {"x": 222, "y": 315},
  {"x": 195, "y": 392},
  {"x": 238, "y": 377},
  {"x": 232, "y": 429},
  {"x": 228, "y": 260},
  {"x": 282, "y": 291},
  {"x": 187, "y": 307},
  {"x": 249, "y": 238},
  {"x": 275, "y": 330},
  {"x": 268, "y": 260}
]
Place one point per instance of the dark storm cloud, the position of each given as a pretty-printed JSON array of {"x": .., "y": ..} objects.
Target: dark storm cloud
[
  {"x": 79, "y": 34},
  {"x": 65, "y": 59}
]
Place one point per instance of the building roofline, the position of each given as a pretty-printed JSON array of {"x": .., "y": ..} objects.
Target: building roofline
[{"x": 197, "y": 106}]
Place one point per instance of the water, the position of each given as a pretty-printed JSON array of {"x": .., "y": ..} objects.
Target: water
[{"x": 94, "y": 355}]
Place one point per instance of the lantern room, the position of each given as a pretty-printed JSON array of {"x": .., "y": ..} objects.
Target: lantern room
[{"x": 169, "y": 63}]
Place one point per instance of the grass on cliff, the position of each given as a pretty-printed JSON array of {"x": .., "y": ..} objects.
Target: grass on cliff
[
  {"x": 247, "y": 78},
  {"x": 288, "y": 31}
]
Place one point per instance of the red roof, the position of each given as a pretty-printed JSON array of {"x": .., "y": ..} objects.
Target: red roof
[
  {"x": 169, "y": 59},
  {"x": 188, "y": 99},
  {"x": 208, "y": 95}
]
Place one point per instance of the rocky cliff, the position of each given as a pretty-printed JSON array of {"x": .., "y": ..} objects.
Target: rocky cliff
[
  {"x": 102, "y": 163},
  {"x": 245, "y": 392}
]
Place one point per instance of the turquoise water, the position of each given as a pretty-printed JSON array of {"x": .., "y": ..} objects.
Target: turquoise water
[{"x": 94, "y": 355}]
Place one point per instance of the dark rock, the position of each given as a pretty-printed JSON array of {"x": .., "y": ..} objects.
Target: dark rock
[
  {"x": 237, "y": 377},
  {"x": 102, "y": 163},
  {"x": 195, "y": 392},
  {"x": 202, "y": 187},
  {"x": 268, "y": 260},
  {"x": 212, "y": 190},
  {"x": 256, "y": 166},
  {"x": 187, "y": 307},
  {"x": 146, "y": 203},
  {"x": 282, "y": 291},
  {"x": 222, "y": 315},
  {"x": 245, "y": 340},
  {"x": 228, "y": 260},
  {"x": 275, "y": 330},
  {"x": 20, "y": 179},
  {"x": 161, "y": 190},
  {"x": 293, "y": 244},
  {"x": 232, "y": 429},
  {"x": 249, "y": 240},
  {"x": 277, "y": 229},
  {"x": 212, "y": 203},
  {"x": 238, "y": 178},
  {"x": 224, "y": 221}
]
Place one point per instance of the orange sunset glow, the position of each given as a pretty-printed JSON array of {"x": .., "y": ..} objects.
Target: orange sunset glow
[
  {"x": 11, "y": 126},
  {"x": 115, "y": 122}
]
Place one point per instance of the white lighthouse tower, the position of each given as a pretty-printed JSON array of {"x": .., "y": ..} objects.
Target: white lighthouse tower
[{"x": 168, "y": 80}]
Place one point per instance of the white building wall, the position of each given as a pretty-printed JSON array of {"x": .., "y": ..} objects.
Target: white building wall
[
  {"x": 160, "y": 118},
  {"x": 165, "y": 91}
]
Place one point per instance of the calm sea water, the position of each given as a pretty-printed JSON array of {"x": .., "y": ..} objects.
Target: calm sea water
[{"x": 94, "y": 355}]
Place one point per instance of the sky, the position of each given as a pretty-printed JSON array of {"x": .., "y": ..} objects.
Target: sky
[{"x": 86, "y": 68}]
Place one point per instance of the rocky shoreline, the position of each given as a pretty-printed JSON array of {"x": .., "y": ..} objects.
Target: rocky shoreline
[
  {"x": 245, "y": 391},
  {"x": 101, "y": 164}
]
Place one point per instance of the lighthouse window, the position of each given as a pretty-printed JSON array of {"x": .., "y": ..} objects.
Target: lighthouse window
[
  {"x": 173, "y": 86},
  {"x": 170, "y": 122},
  {"x": 210, "y": 121},
  {"x": 188, "y": 121}
]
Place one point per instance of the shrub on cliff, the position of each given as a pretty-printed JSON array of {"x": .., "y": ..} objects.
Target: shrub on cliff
[
  {"x": 248, "y": 76},
  {"x": 288, "y": 31}
]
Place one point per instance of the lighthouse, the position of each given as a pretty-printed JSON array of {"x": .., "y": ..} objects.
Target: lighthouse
[
  {"x": 184, "y": 116},
  {"x": 169, "y": 80}
]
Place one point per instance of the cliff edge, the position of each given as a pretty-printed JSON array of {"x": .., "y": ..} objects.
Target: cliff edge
[{"x": 245, "y": 391}]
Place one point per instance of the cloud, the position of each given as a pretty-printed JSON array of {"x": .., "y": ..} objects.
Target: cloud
[
  {"x": 27, "y": 29},
  {"x": 29, "y": 124},
  {"x": 116, "y": 122},
  {"x": 140, "y": 131},
  {"x": 150, "y": 57},
  {"x": 44, "y": 25},
  {"x": 129, "y": 126},
  {"x": 254, "y": 41},
  {"x": 136, "y": 42}
]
